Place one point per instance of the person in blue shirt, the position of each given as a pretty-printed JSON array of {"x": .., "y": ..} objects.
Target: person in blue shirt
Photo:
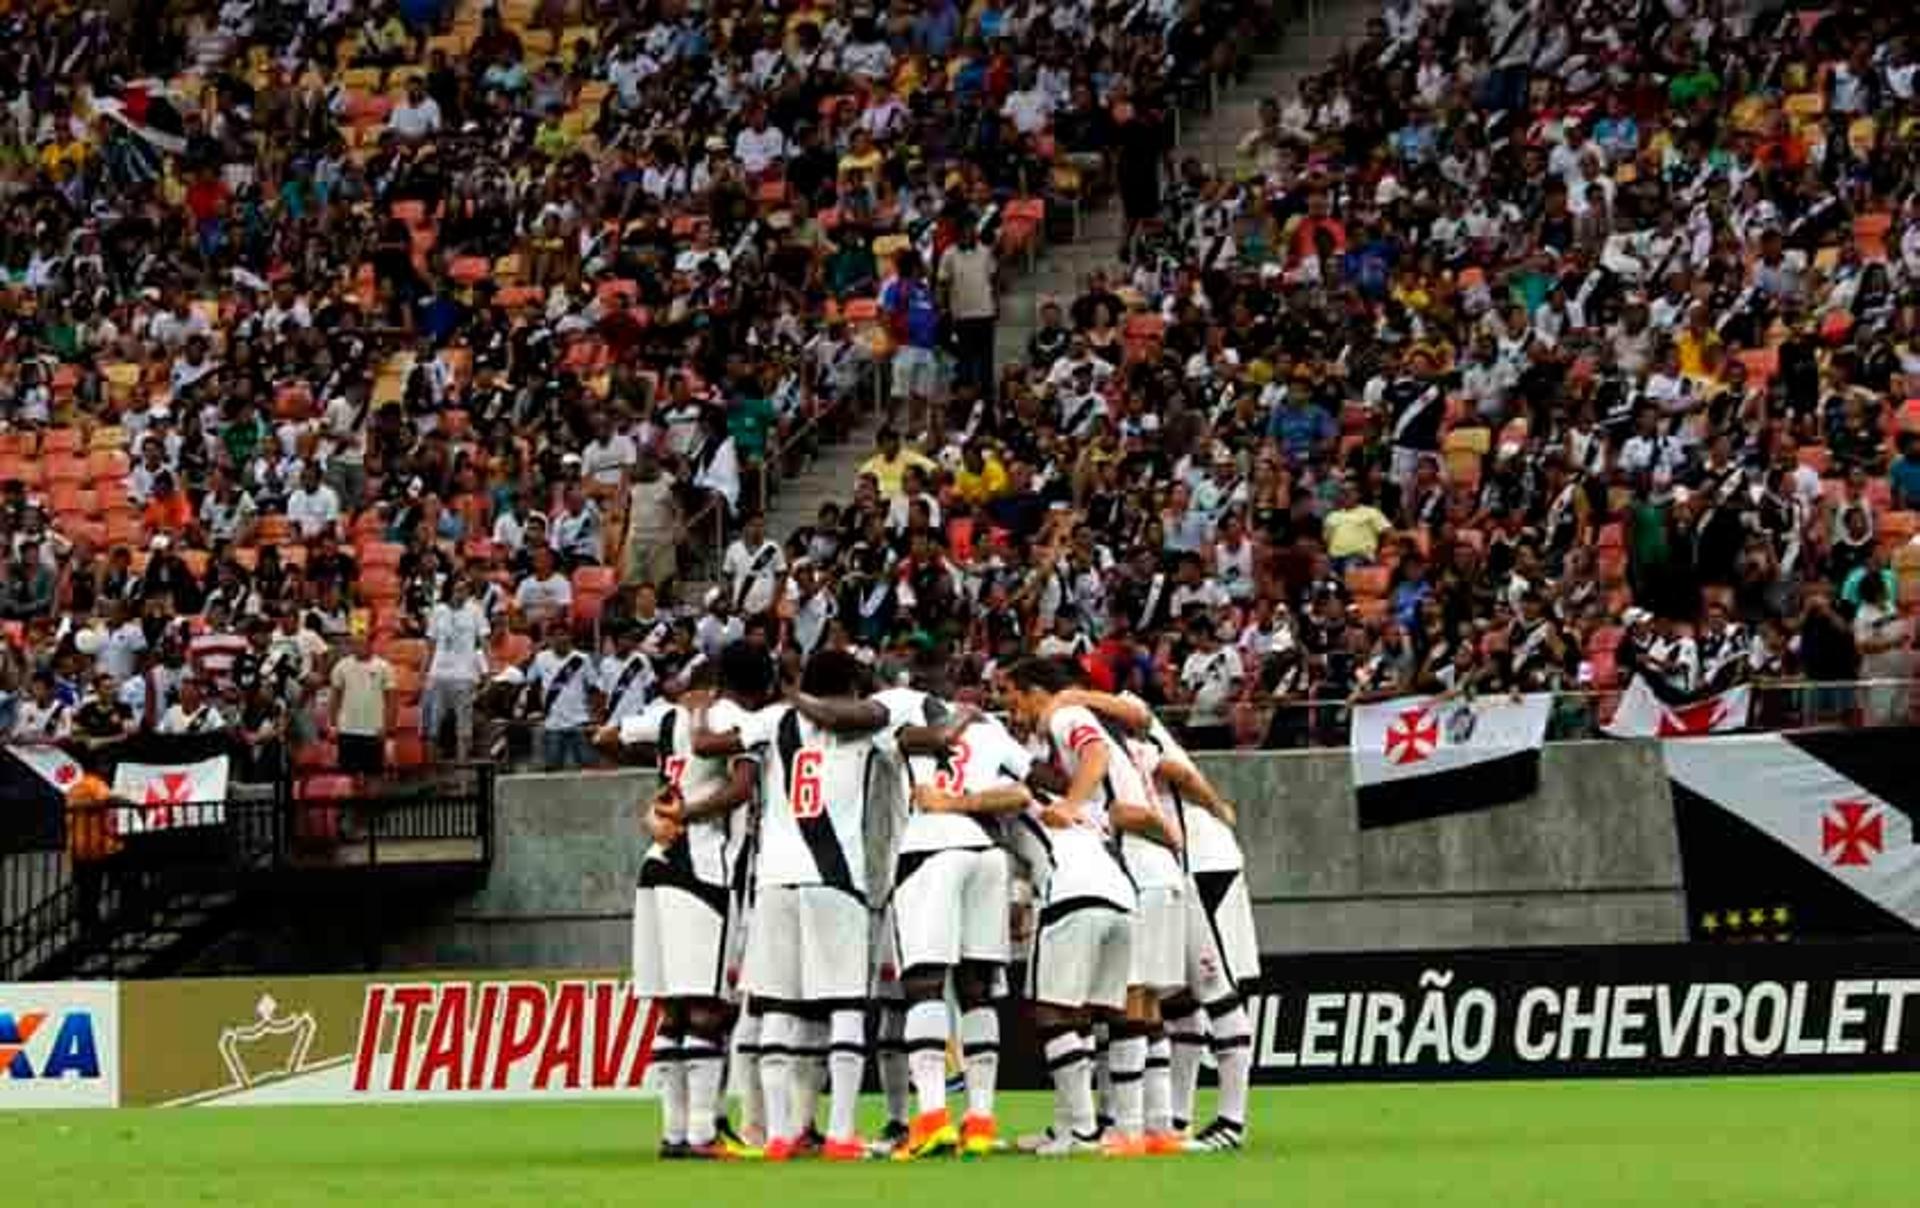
[
  {"x": 936, "y": 28},
  {"x": 913, "y": 316},
  {"x": 1904, "y": 478},
  {"x": 1301, "y": 425}
]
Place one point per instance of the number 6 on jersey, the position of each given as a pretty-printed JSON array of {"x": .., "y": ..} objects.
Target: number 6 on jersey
[{"x": 807, "y": 798}]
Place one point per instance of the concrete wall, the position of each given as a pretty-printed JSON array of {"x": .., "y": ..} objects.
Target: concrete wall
[{"x": 1592, "y": 859}]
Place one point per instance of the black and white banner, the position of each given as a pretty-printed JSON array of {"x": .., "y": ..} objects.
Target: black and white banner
[
  {"x": 1643, "y": 714},
  {"x": 1635, "y": 1011},
  {"x": 1798, "y": 835},
  {"x": 1423, "y": 757}
]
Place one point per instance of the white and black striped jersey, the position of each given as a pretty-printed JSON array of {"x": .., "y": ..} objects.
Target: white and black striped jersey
[
  {"x": 705, "y": 857},
  {"x": 1074, "y": 731},
  {"x": 1211, "y": 845},
  {"x": 984, "y": 756},
  {"x": 815, "y": 797}
]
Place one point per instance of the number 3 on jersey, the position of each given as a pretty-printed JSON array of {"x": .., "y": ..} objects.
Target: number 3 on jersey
[
  {"x": 951, "y": 777},
  {"x": 807, "y": 797}
]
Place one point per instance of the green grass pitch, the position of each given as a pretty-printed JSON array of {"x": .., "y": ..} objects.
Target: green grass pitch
[{"x": 1686, "y": 1144}]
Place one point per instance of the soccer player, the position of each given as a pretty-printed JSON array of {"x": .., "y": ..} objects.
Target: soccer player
[
  {"x": 807, "y": 941},
  {"x": 951, "y": 891},
  {"x": 1107, "y": 788},
  {"x": 1222, "y": 951},
  {"x": 685, "y": 925}
]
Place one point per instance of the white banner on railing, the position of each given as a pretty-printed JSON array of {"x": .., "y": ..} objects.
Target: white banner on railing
[{"x": 171, "y": 796}]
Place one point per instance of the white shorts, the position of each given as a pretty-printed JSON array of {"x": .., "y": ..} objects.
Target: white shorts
[
  {"x": 1160, "y": 940},
  {"x": 951, "y": 906},
  {"x": 808, "y": 943},
  {"x": 916, "y": 372},
  {"x": 682, "y": 943},
  {"x": 1223, "y": 952},
  {"x": 1083, "y": 959}
]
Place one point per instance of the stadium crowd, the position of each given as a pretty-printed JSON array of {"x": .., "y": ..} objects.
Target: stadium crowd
[{"x": 368, "y": 368}]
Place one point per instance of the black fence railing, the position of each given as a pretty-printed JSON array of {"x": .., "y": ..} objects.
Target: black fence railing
[{"x": 118, "y": 876}]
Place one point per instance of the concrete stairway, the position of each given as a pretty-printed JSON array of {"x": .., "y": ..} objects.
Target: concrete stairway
[
  {"x": 1211, "y": 137},
  {"x": 1063, "y": 268}
]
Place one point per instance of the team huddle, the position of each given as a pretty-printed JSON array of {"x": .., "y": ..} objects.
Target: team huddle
[{"x": 831, "y": 850}]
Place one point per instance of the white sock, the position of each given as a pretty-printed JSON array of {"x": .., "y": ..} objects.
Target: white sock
[
  {"x": 895, "y": 1082},
  {"x": 810, "y": 1068},
  {"x": 980, "y": 1046},
  {"x": 1070, "y": 1063},
  {"x": 779, "y": 1033},
  {"x": 1157, "y": 1088},
  {"x": 1233, "y": 1052},
  {"x": 847, "y": 1064},
  {"x": 1189, "y": 1036},
  {"x": 927, "y": 1053},
  {"x": 673, "y": 1089},
  {"x": 1127, "y": 1062},
  {"x": 746, "y": 1055},
  {"x": 701, "y": 1059}
]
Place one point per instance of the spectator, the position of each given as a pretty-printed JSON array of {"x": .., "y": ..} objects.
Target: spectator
[
  {"x": 1354, "y": 529},
  {"x": 561, "y": 695},
  {"x": 914, "y": 317},
  {"x": 457, "y": 629},
  {"x": 969, "y": 296}
]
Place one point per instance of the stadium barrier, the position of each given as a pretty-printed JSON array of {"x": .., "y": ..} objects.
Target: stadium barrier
[
  {"x": 1626, "y": 1011},
  {"x": 291, "y": 1040}
]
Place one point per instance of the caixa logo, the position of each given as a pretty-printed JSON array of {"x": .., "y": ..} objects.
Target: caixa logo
[{"x": 34, "y": 1045}]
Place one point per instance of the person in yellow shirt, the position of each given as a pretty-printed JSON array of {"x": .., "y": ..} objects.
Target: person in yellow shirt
[
  {"x": 891, "y": 461},
  {"x": 1697, "y": 342},
  {"x": 1354, "y": 529},
  {"x": 863, "y": 157},
  {"x": 981, "y": 478}
]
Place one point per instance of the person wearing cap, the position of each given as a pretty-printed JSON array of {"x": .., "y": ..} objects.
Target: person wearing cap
[{"x": 193, "y": 711}]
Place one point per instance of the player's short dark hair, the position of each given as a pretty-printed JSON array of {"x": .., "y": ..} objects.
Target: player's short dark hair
[
  {"x": 747, "y": 670},
  {"x": 830, "y": 673},
  {"x": 1040, "y": 675}
]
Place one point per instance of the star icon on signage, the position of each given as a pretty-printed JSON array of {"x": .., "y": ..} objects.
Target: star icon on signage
[
  {"x": 1413, "y": 737},
  {"x": 1709, "y": 922}
]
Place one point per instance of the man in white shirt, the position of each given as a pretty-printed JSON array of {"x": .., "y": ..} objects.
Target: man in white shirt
[
  {"x": 1209, "y": 678},
  {"x": 626, "y": 676},
  {"x": 562, "y": 691},
  {"x": 361, "y": 707},
  {"x": 458, "y": 629},
  {"x": 313, "y": 505},
  {"x": 1028, "y": 107},
  {"x": 760, "y": 148},
  {"x": 193, "y": 713},
  {"x": 546, "y": 594},
  {"x": 753, "y": 566},
  {"x": 418, "y": 117},
  {"x": 576, "y": 528},
  {"x": 608, "y": 458}
]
